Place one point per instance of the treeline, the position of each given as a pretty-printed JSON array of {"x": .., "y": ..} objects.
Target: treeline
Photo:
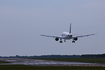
[
  {"x": 45, "y": 56},
  {"x": 93, "y": 56},
  {"x": 60, "y": 56},
  {"x": 56, "y": 56}
]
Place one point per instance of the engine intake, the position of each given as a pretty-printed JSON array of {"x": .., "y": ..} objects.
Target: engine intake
[
  {"x": 75, "y": 39},
  {"x": 56, "y": 39}
]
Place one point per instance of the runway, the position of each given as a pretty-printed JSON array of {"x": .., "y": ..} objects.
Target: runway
[{"x": 37, "y": 62}]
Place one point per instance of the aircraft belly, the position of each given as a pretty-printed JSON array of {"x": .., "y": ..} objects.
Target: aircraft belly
[{"x": 68, "y": 38}]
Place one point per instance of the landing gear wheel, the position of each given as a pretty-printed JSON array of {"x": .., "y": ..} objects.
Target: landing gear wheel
[
  {"x": 60, "y": 41},
  {"x": 73, "y": 41}
]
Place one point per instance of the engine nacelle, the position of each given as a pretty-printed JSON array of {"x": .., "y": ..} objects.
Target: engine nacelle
[
  {"x": 56, "y": 39},
  {"x": 75, "y": 39}
]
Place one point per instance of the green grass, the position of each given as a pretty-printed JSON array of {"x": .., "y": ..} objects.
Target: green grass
[
  {"x": 88, "y": 60},
  {"x": 24, "y": 67}
]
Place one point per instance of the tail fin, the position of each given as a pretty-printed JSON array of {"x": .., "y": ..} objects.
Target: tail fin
[{"x": 70, "y": 28}]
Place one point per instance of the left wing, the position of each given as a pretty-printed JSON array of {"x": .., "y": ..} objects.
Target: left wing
[
  {"x": 53, "y": 36},
  {"x": 83, "y": 36}
]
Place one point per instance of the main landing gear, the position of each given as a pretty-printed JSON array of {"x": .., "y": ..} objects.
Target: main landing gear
[
  {"x": 61, "y": 42},
  {"x": 73, "y": 41}
]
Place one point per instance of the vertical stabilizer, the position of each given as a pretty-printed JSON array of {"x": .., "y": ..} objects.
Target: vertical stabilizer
[{"x": 70, "y": 28}]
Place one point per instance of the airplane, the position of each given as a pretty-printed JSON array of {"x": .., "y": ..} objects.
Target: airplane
[{"x": 67, "y": 36}]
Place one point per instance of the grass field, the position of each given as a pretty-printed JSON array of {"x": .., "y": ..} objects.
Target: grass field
[
  {"x": 88, "y": 60},
  {"x": 24, "y": 67}
]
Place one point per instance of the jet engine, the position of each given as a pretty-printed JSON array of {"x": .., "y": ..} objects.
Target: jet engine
[
  {"x": 56, "y": 39},
  {"x": 75, "y": 39}
]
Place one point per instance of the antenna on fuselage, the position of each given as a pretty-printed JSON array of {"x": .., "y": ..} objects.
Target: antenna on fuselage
[{"x": 70, "y": 28}]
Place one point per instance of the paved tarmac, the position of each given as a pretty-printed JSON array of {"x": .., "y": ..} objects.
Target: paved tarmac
[{"x": 37, "y": 62}]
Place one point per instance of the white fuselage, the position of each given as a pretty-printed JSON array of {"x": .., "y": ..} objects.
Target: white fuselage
[{"x": 66, "y": 35}]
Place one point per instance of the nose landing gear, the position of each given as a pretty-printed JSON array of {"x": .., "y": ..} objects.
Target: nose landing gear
[{"x": 64, "y": 40}]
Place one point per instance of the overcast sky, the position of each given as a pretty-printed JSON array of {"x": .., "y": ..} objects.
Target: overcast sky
[{"x": 22, "y": 22}]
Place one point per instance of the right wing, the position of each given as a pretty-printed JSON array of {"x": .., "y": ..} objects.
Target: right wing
[
  {"x": 53, "y": 36},
  {"x": 83, "y": 36}
]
